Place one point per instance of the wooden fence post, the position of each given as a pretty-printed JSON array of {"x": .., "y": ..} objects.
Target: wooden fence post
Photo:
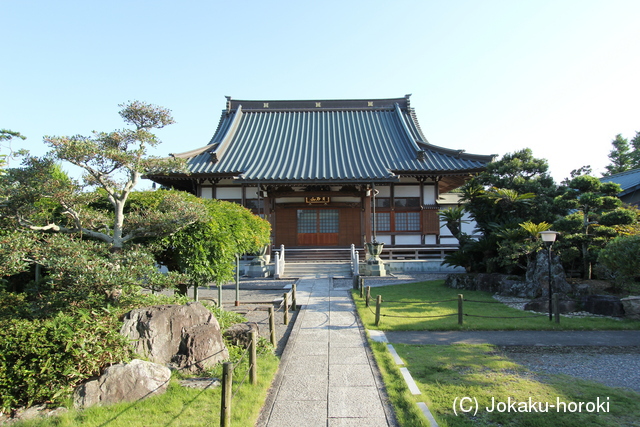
[
  {"x": 366, "y": 303},
  {"x": 253, "y": 359},
  {"x": 460, "y": 314},
  {"x": 286, "y": 308},
  {"x": 272, "y": 325},
  {"x": 378, "y": 304},
  {"x": 225, "y": 401}
]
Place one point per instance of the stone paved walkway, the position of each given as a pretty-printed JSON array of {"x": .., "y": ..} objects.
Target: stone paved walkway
[{"x": 327, "y": 375}]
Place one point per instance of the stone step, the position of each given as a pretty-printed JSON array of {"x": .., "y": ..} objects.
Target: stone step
[{"x": 323, "y": 269}]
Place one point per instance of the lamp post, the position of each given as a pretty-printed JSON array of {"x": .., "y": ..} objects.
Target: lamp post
[{"x": 548, "y": 237}]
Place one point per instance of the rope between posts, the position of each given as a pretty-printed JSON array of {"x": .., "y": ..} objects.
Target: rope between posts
[
  {"x": 419, "y": 317},
  {"x": 246, "y": 350},
  {"x": 502, "y": 317},
  {"x": 281, "y": 306},
  {"x": 420, "y": 302},
  {"x": 246, "y": 374},
  {"x": 494, "y": 302},
  {"x": 412, "y": 317}
]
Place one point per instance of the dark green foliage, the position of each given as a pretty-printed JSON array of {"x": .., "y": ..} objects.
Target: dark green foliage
[
  {"x": 620, "y": 261},
  {"x": 596, "y": 220},
  {"x": 77, "y": 272},
  {"x": 41, "y": 360},
  {"x": 512, "y": 191},
  {"x": 619, "y": 217},
  {"x": 511, "y": 178},
  {"x": 623, "y": 156}
]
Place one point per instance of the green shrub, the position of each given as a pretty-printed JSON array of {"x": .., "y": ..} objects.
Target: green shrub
[
  {"x": 41, "y": 360},
  {"x": 620, "y": 260}
]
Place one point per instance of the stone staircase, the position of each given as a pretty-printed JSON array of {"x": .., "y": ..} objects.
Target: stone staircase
[{"x": 317, "y": 269}]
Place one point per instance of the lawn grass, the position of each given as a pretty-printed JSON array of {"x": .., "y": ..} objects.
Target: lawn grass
[
  {"x": 444, "y": 373},
  {"x": 179, "y": 406},
  {"x": 406, "y": 307}
]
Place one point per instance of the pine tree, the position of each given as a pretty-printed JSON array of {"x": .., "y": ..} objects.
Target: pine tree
[{"x": 621, "y": 156}]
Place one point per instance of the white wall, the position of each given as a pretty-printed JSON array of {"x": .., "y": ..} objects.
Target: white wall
[
  {"x": 206, "y": 192},
  {"x": 225, "y": 193},
  {"x": 406, "y": 191},
  {"x": 429, "y": 194},
  {"x": 404, "y": 239}
]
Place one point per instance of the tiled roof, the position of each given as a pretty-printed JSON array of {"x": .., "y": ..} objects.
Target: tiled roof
[
  {"x": 629, "y": 180},
  {"x": 332, "y": 140}
]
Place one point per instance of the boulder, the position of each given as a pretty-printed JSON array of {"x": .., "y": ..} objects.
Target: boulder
[
  {"x": 123, "y": 382},
  {"x": 461, "y": 281},
  {"x": 536, "y": 283},
  {"x": 541, "y": 305},
  {"x": 187, "y": 336},
  {"x": 631, "y": 307},
  {"x": 240, "y": 333},
  {"x": 494, "y": 283},
  {"x": 33, "y": 412},
  {"x": 605, "y": 305}
]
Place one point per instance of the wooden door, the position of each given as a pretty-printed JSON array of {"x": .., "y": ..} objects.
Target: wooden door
[{"x": 318, "y": 227}]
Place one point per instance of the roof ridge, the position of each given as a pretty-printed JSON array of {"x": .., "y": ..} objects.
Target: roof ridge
[
  {"x": 627, "y": 172},
  {"x": 317, "y": 104}
]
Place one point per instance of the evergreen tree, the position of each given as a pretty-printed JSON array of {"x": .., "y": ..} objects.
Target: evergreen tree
[
  {"x": 512, "y": 191},
  {"x": 621, "y": 156}
]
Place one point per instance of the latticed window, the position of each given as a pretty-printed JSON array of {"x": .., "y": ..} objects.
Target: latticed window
[
  {"x": 407, "y": 202},
  {"x": 383, "y": 221},
  {"x": 318, "y": 221},
  {"x": 307, "y": 221},
  {"x": 328, "y": 220},
  {"x": 397, "y": 221},
  {"x": 407, "y": 221}
]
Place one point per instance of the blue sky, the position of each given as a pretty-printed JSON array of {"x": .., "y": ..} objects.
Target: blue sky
[{"x": 489, "y": 77}]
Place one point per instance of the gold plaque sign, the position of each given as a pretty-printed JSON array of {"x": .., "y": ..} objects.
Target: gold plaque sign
[{"x": 321, "y": 200}]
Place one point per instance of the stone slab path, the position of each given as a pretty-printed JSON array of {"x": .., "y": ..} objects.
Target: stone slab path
[{"x": 327, "y": 375}]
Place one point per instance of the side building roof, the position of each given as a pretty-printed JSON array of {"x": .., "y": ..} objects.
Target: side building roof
[
  {"x": 629, "y": 181},
  {"x": 333, "y": 141}
]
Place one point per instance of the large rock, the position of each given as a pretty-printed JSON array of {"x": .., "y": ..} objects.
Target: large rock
[
  {"x": 123, "y": 382},
  {"x": 631, "y": 307},
  {"x": 186, "y": 336},
  {"x": 240, "y": 333},
  {"x": 537, "y": 278},
  {"x": 541, "y": 305},
  {"x": 494, "y": 283},
  {"x": 605, "y": 305},
  {"x": 534, "y": 285}
]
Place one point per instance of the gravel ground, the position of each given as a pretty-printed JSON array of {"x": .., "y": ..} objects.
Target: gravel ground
[{"x": 611, "y": 366}]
